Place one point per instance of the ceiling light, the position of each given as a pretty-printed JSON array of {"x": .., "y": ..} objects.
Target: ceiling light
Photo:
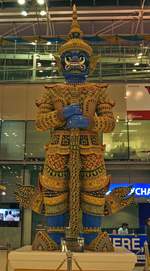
[
  {"x": 24, "y": 13},
  {"x": 128, "y": 93},
  {"x": 140, "y": 54},
  {"x": 3, "y": 193},
  {"x": 139, "y": 57},
  {"x": 40, "y": 71},
  {"x": 21, "y": 2},
  {"x": 42, "y": 12},
  {"x": 53, "y": 63},
  {"x": 39, "y": 64},
  {"x": 134, "y": 70},
  {"x": 40, "y": 2},
  {"x": 136, "y": 64},
  {"x": 48, "y": 43}
]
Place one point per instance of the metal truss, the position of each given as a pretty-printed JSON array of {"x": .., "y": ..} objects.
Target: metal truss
[{"x": 95, "y": 20}]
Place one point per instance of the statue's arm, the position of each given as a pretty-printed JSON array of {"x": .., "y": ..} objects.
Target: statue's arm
[
  {"x": 47, "y": 116},
  {"x": 104, "y": 120}
]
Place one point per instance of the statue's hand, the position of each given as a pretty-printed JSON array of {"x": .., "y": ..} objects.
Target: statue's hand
[
  {"x": 118, "y": 199},
  {"x": 71, "y": 110},
  {"x": 29, "y": 197},
  {"x": 78, "y": 121}
]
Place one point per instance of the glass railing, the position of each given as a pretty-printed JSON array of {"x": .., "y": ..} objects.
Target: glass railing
[{"x": 115, "y": 63}]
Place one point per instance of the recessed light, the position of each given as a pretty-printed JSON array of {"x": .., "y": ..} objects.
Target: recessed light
[
  {"x": 21, "y": 2},
  {"x": 42, "y": 12},
  {"x": 40, "y": 2},
  {"x": 24, "y": 13}
]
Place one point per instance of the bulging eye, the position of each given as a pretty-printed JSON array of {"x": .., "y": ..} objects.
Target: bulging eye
[
  {"x": 82, "y": 58},
  {"x": 68, "y": 58}
]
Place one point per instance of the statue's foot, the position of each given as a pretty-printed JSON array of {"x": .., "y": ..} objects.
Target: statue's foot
[
  {"x": 43, "y": 242},
  {"x": 101, "y": 243}
]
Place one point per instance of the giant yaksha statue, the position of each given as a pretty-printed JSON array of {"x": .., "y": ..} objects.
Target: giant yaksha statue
[{"x": 74, "y": 180}]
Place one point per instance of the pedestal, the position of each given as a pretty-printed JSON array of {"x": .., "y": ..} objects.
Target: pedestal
[
  {"x": 3, "y": 260},
  {"x": 24, "y": 259}
]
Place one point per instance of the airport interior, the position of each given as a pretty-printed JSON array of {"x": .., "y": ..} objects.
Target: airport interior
[{"x": 74, "y": 135}]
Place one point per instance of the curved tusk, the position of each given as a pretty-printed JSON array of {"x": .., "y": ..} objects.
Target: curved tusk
[
  {"x": 83, "y": 61},
  {"x": 67, "y": 62}
]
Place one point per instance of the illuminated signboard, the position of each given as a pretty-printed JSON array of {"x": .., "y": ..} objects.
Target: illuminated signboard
[
  {"x": 140, "y": 190},
  {"x": 131, "y": 242}
]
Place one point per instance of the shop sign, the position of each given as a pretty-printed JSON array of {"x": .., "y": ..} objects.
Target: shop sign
[
  {"x": 139, "y": 189},
  {"x": 131, "y": 242}
]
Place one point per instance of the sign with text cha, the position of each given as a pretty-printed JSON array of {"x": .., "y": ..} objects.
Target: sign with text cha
[{"x": 140, "y": 190}]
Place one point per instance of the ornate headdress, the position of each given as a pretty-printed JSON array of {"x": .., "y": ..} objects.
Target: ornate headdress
[{"x": 75, "y": 42}]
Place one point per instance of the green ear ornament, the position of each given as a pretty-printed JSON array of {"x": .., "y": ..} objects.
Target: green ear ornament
[
  {"x": 94, "y": 59},
  {"x": 57, "y": 58}
]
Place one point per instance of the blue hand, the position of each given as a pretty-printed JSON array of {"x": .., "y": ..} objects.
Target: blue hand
[
  {"x": 78, "y": 121},
  {"x": 71, "y": 110}
]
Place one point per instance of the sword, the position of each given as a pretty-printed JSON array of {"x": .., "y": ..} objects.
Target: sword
[{"x": 74, "y": 167}]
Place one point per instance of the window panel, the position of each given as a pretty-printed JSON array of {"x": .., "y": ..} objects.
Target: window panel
[
  {"x": 35, "y": 141},
  {"x": 9, "y": 176},
  {"x": 12, "y": 140},
  {"x": 139, "y": 139},
  {"x": 117, "y": 142}
]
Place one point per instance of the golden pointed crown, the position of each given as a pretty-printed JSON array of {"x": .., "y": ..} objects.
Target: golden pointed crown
[
  {"x": 75, "y": 27},
  {"x": 75, "y": 42}
]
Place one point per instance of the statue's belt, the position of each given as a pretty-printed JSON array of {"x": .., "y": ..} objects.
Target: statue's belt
[
  {"x": 60, "y": 184},
  {"x": 87, "y": 138}
]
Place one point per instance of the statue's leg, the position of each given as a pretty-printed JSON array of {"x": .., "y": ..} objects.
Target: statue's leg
[
  {"x": 95, "y": 239},
  {"x": 54, "y": 186},
  {"x": 95, "y": 183},
  {"x": 91, "y": 225},
  {"x": 56, "y": 225}
]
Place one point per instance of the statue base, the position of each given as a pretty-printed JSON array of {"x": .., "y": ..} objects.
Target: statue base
[{"x": 24, "y": 259}]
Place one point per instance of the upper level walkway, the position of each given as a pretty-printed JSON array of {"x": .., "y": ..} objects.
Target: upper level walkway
[{"x": 120, "y": 59}]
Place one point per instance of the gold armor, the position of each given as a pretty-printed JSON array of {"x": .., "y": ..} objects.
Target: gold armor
[{"x": 95, "y": 105}]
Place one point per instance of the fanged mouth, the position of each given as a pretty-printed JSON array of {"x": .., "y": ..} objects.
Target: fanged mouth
[{"x": 75, "y": 66}]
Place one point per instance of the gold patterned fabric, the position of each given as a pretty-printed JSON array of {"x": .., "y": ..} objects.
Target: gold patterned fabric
[
  {"x": 53, "y": 183},
  {"x": 93, "y": 101},
  {"x": 43, "y": 242},
  {"x": 101, "y": 243}
]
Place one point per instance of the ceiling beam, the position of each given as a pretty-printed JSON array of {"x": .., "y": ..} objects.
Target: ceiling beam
[{"x": 65, "y": 19}]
